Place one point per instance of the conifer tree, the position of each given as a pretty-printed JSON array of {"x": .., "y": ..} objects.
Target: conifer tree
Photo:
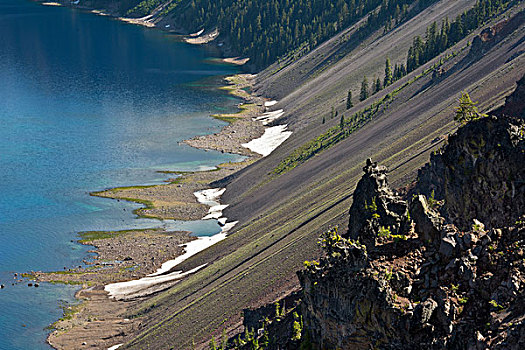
[
  {"x": 388, "y": 73},
  {"x": 342, "y": 121},
  {"x": 467, "y": 110},
  {"x": 377, "y": 86},
  {"x": 364, "y": 90},
  {"x": 349, "y": 103}
]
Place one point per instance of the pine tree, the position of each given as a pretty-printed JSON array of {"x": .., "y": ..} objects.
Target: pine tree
[
  {"x": 388, "y": 73},
  {"x": 467, "y": 110},
  {"x": 349, "y": 103},
  {"x": 342, "y": 122},
  {"x": 377, "y": 86},
  {"x": 364, "y": 90}
]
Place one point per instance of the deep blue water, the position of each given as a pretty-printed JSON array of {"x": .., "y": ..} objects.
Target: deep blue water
[{"x": 86, "y": 103}]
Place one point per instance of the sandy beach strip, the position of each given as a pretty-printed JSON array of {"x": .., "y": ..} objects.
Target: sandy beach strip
[
  {"x": 239, "y": 61},
  {"x": 133, "y": 288},
  {"x": 144, "y": 21}
]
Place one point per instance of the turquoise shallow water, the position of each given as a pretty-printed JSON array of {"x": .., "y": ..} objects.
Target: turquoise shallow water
[{"x": 86, "y": 103}]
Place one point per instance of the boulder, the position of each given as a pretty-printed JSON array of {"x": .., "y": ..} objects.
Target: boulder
[{"x": 428, "y": 222}]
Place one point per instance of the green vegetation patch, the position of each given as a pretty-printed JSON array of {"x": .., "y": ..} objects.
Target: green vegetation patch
[
  {"x": 331, "y": 137},
  {"x": 146, "y": 7},
  {"x": 68, "y": 310},
  {"x": 231, "y": 118},
  {"x": 347, "y": 126},
  {"x": 267, "y": 30},
  {"x": 143, "y": 8},
  {"x": 112, "y": 193},
  {"x": 90, "y": 236}
]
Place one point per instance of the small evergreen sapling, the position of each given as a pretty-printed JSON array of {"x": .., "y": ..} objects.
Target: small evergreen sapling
[
  {"x": 349, "y": 103},
  {"x": 467, "y": 110},
  {"x": 364, "y": 89}
]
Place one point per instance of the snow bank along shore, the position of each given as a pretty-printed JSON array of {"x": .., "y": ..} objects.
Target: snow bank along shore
[
  {"x": 264, "y": 145},
  {"x": 121, "y": 290},
  {"x": 273, "y": 136},
  {"x": 269, "y": 141}
]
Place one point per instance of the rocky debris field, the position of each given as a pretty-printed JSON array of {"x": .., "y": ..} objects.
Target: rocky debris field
[{"x": 441, "y": 267}]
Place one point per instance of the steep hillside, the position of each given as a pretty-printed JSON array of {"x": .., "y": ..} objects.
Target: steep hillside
[
  {"x": 428, "y": 98},
  {"x": 408, "y": 277},
  {"x": 282, "y": 214},
  {"x": 267, "y": 30}
]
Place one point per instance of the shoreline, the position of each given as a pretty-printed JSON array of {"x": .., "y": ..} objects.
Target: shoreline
[
  {"x": 199, "y": 38},
  {"x": 134, "y": 264}
]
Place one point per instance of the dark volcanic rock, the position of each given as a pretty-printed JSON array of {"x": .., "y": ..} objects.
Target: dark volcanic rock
[
  {"x": 480, "y": 174},
  {"x": 345, "y": 306},
  {"x": 457, "y": 282},
  {"x": 460, "y": 285},
  {"x": 375, "y": 205},
  {"x": 515, "y": 103},
  {"x": 428, "y": 222},
  {"x": 490, "y": 36}
]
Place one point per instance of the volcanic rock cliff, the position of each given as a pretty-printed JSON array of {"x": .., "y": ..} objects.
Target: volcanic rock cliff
[{"x": 443, "y": 268}]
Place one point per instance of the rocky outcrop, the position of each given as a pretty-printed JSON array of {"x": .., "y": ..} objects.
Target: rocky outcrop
[
  {"x": 480, "y": 174},
  {"x": 514, "y": 104},
  {"x": 375, "y": 208},
  {"x": 462, "y": 290},
  {"x": 348, "y": 303},
  {"x": 490, "y": 36},
  {"x": 427, "y": 221},
  {"x": 460, "y": 283},
  {"x": 448, "y": 273}
]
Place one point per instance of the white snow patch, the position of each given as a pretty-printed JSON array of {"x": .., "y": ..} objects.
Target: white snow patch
[
  {"x": 228, "y": 226},
  {"x": 215, "y": 212},
  {"x": 195, "y": 246},
  {"x": 198, "y": 33},
  {"x": 211, "y": 197},
  {"x": 270, "y": 140},
  {"x": 190, "y": 249},
  {"x": 269, "y": 117},
  {"x": 122, "y": 289},
  {"x": 115, "y": 347},
  {"x": 270, "y": 103}
]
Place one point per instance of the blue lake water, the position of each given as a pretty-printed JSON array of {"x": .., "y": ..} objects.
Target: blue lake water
[{"x": 87, "y": 103}]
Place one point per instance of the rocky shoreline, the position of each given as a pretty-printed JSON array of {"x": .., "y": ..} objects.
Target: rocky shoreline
[{"x": 99, "y": 321}]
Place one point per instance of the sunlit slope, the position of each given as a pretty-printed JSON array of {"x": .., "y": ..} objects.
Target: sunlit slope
[{"x": 282, "y": 216}]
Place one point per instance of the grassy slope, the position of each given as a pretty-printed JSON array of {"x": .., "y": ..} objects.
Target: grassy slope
[{"x": 283, "y": 218}]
